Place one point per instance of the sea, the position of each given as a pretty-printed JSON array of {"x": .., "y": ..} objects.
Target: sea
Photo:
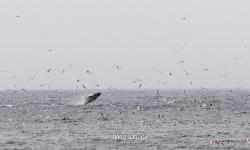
[{"x": 194, "y": 119}]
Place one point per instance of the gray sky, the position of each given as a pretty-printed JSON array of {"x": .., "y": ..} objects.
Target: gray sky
[{"x": 138, "y": 35}]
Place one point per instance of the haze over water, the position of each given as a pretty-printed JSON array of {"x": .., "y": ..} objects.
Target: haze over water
[{"x": 183, "y": 65}]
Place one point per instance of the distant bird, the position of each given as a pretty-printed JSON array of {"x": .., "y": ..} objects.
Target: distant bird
[
  {"x": 140, "y": 85},
  {"x": 84, "y": 86},
  {"x": 4, "y": 71},
  {"x": 91, "y": 98},
  {"x": 70, "y": 65},
  {"x": 225, "y": 75},
  {"x": 183, "y": 18},
  {"x": 15, "y": 91},
  {"x": 205, "y": 69},
  {"x": 51, "y": 50},
  {"x": 88, "y": 72},
  {"x": 118, "y": 67},
  {"x": 17, "y": 16},
  {"x": 49, "y": 70},
  {"x": 33, "y": 77},
  {"x": 44, "y": 85},
  {"x": 97, "y": 85},
  {"x": 43, "y": 37},
  {"x": 237, "y": 58},
  {"x": 139, "y": 80},
  {"x": 186, "y": 73},
  {"x": 158, "y": 71},
  {"x": 24, "y": 90},
  {"x": 62, "y": 71},
  {"x": 181, "y": 62},
  {"x": 13, "y": 77},
  {"x": 203, "y": 88},
  {"x": 163, "y": 83}
]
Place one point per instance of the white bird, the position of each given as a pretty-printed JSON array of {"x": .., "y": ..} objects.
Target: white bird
[
  {"x": 88, "y": 72},
  {"x": 118, "y": 67},
  {"x": 51, "y": 50},
  {"x": 49, "y": 70},
  {"x": 181, "y": 62}
]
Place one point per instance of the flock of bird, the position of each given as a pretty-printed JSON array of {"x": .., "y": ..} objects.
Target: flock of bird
[
  {"x": 137, "y": 82},
  {"x": 80, "y": 83}
]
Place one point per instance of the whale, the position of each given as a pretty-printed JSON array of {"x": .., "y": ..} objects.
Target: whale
[{"x": 92, "y": 98}]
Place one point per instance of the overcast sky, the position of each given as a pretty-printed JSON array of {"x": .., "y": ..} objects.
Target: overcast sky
[{"x": 146, "y": 38}]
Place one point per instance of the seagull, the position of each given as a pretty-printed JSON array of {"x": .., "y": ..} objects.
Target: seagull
[
  {"x": 140, "y": 85},
  {"x": 163, "y": 83},
  {"x": 62, "y": 71},
  {"x": 33, "y": 77},
  {"x": 139, "y": 80},
  {"x": 49, "y": 70},
  {"x": 51, "y": 50},
  {"x": 205, "y": 69},
  {"x": 203, "y": 88},
  {"x": 186, "y": 73},
  {"x": 24, "y": 90},
  {"x": 4, "y": 71},
  {"x": 157, "y": 70},
  {"x": 84, "y": 86},
  {"x": 181, "y": 62},
  {"x": 225, "y": 75},
  {"x": 88, "y": 72},
  {"x": 118, "y": 67}
]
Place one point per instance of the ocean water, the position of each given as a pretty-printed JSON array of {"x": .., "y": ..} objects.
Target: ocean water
[{"x": 125, "y": 120}]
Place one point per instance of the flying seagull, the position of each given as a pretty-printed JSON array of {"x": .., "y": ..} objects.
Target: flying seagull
[
  {"x": 181, "y": 62},
  {"x": 48, "y": 71},
  {"x": 118, "y": 67},
  {"x": 62, "y": 71},
  {"x": 51, "y": 50},
  {"x": 205, "y": 69},
  {"x": 157, "y": 70},
  {"x": 88, "y": 72},
  {"x": 84, "y": 86}
]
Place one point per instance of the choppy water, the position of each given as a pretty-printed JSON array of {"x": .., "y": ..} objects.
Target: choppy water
[{"x": 199, "y": 119}]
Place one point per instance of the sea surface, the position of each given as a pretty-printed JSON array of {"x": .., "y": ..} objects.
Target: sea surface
[{"x": 125, "y": 120}]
